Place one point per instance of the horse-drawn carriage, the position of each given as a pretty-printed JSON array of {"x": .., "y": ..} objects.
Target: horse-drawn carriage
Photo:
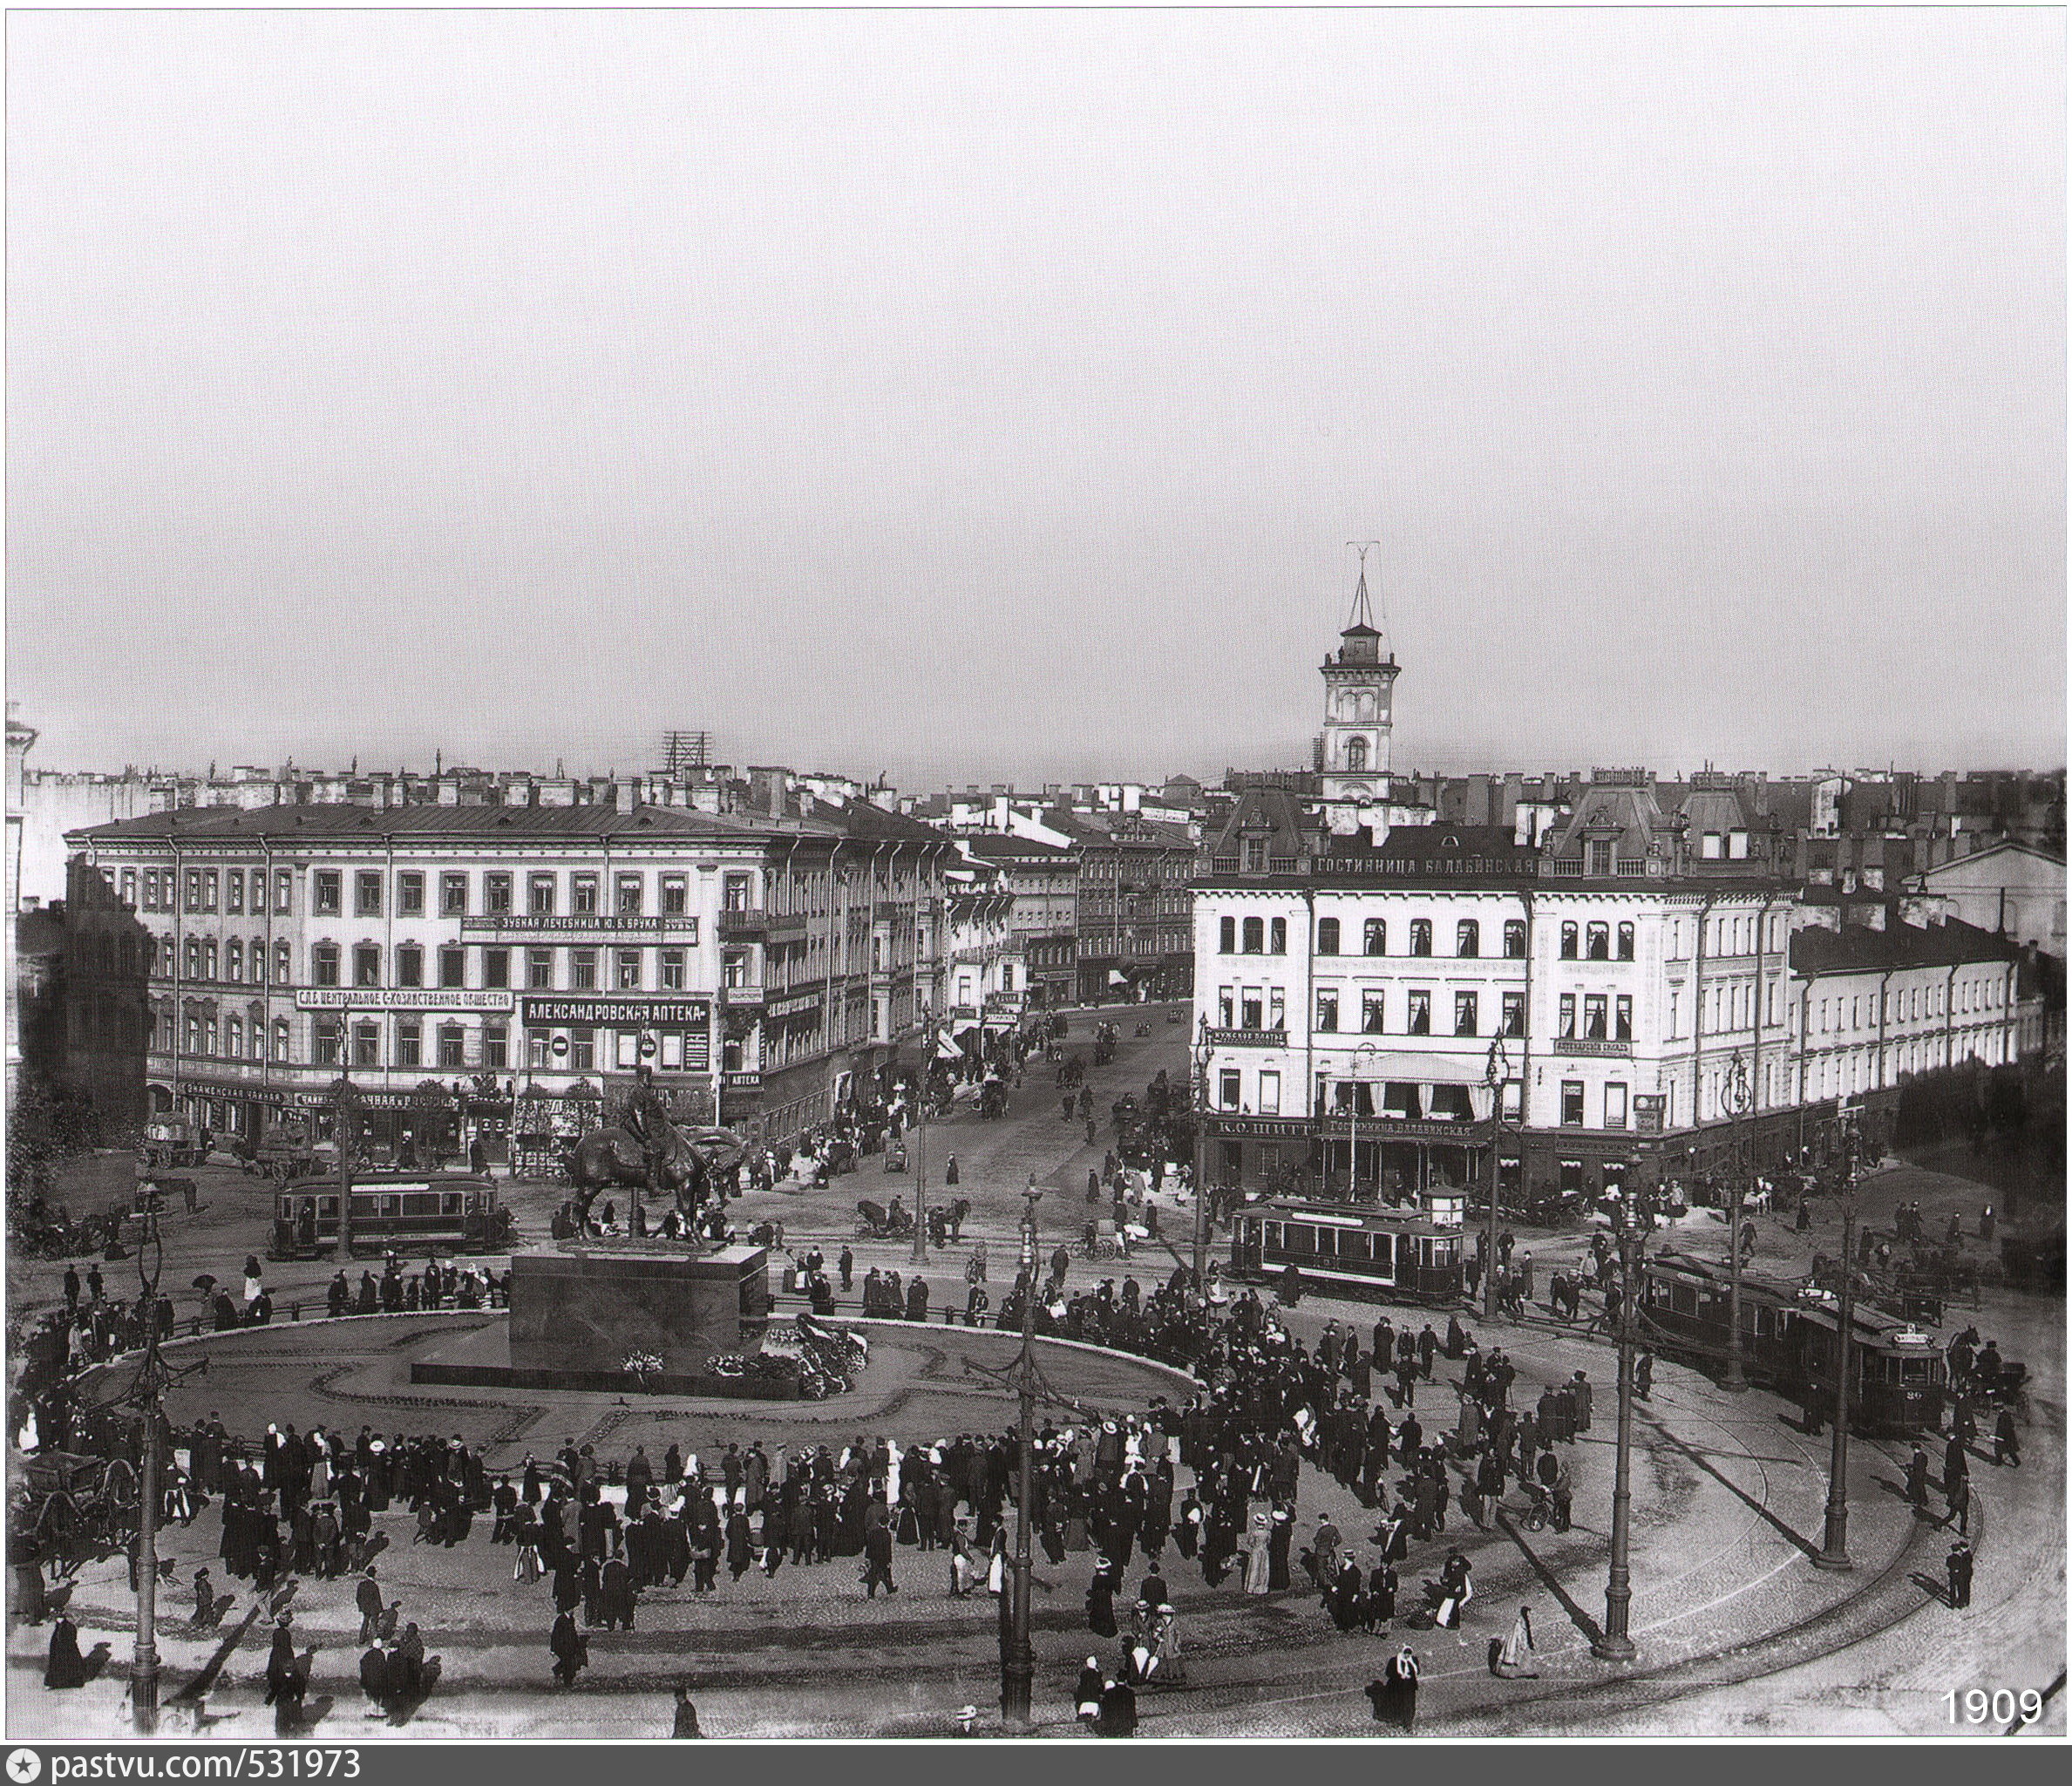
[
  {"x": 73, "y": 1508},
  {"x": 875, "y": 1222},
  {"x": 170, "y": 1142}
]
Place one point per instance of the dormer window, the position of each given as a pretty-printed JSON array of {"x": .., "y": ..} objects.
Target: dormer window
[
  {"x": 1600, "y": 855},
  {"x": 1255, "y": 855}
]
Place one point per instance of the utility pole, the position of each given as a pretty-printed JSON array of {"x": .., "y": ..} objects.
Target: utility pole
[
  {"x": 1834, "y": 1544},
  {"x": 1017, "y": 1662},
  {"x": 1616, "y": 1646}
]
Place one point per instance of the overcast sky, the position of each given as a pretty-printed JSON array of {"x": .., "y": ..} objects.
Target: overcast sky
[{"x": 989, "y": 395}]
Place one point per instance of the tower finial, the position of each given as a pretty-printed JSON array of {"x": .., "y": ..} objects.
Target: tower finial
[{"x": 1362, "y": 615}]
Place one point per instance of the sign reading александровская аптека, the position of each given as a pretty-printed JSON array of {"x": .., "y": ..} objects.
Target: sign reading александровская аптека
[{"x": 620, "y": 1013}]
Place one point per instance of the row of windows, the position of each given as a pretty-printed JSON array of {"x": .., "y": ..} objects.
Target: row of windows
[
  {"x": 237, "y": 1036},
  {"x": 1618, "y": 1014},
  {"x": 328, "y": 963},
  {"x": 625, "y": 966},
  {"x": 1594, "y": 942},
  {"x": 209, "y": 890},
  {"x": 1255, "y": 936},
  {"x": 1613, "y": 1111},
  {"x": 1417, "y": 1012},
  {"x": 235, "y": 891},
  {"x": 1906, "y": 1006}
]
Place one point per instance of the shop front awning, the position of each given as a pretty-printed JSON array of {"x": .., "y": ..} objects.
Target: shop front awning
[{"x": 1382, "y": 1065}]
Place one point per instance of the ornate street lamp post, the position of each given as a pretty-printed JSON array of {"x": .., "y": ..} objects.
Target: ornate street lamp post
[
  {"x": 345, "y": 1102},
  {"x": 1737, "y": 1098},
  {"x": 1615, "y": 1646},
  {"x": 1017, "y": 1662},
  {"x": 1361, "y": 1054},
  {"x": 1834, "y": 1544},
  {"x": 920, "y": 1151},
  {"x": 1201, "y": 1154},
  {"x": 1493, "y": 1076}
]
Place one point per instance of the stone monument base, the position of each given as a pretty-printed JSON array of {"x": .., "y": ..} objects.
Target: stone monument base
[{"x": 580, "y": 1310}]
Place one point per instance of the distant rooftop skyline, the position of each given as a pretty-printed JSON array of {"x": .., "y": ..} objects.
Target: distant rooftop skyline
[{"x": 990, "y": 396}]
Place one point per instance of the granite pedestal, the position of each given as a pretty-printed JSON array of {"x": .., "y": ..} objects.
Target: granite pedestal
[{"x": 579, "y": 1310}]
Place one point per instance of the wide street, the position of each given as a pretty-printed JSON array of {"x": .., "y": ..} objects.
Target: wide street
[{"x": 1737, "y": 1632}]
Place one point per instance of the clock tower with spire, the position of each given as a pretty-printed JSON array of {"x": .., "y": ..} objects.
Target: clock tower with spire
[{"x": 1359, "y": 698}]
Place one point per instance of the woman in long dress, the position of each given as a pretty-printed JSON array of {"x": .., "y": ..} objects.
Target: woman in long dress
[
  {"x": 1100, "y": 1600},
  {"x": 1258, "y": 1556},
  {"x": 65, "y": 1666},
  {"x": 1512, "y": 1653},
  {"x": 1394, "y": 1695}
]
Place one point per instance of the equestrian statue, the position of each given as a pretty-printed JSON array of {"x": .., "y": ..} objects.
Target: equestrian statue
[{"x": 645, "y": 1151}]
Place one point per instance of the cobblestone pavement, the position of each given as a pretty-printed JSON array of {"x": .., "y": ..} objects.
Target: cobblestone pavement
[{"x": 1737, "y": 1632}]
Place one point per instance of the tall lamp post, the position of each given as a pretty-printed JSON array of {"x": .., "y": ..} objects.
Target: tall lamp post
[
  {"x": 345, "y": 1101},
  {"x": 1017, "y": 1661},
  {"x": 1615, "y": 1646},
  {"x": 1364, "y": 1053},
  {"x": 1737, "y": 1097},
  {"x": 1493, "y": 1076},
  {"x": 1201, "y": 1153},
  {"x": 143, "y": 1674},
  {"x": 920, "y": 1151},
  {"x": 1834, "y": 1543}
]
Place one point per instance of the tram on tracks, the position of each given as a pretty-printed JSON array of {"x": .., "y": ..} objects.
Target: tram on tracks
[
  {"x": 1378, "y": 1254},
  {"x": 393, "y": 1212},
  {"x": 1790, "y": 1341}
]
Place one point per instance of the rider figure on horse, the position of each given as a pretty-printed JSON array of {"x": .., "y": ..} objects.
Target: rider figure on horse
[{"x": 646, "y": 1120}]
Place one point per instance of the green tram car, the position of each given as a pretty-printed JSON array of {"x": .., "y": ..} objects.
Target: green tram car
[
  {"x": 1789, "y": 1342},
  {"x": 1381, "y": 1255},
  {"x": 392, "y": 1211}
]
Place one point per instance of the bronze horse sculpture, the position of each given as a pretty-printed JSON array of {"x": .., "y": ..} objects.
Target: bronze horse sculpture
[{"x": 682, "y": 1165}]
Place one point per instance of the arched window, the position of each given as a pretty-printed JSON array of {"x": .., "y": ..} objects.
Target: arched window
[
  {"x": 1467, "y": 938},
  {"x": 1374, "y": 937},
  {"x": 234, "y": 1035},
  {"x": 1327, "y": 936},
  {"x": 1626, "y": 942},
  {"x": 281, "y": 1051},
  {"x": 233, "y": 960},
  {"x": 1420, "y": 936},
  {"x": 209, "y": 960},
  {"x": 1255, "y": 936},
  {"x": 1599, "y": 942},
  {"x": 191, "y": 959},
  {"x": 1227, "y": 942},
  {"x": 255, "y": 1028},
  {"x": 1568, "y": 942},
  {"x": 194, "y": 1034},
  {"x": 1355, "y": 754},
  {"x": 283, "y": 964},
  {"x": 1514, "y": 939},
  {"x": 1277, "y": 937}
]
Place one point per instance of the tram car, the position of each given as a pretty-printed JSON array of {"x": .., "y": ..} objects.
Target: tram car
[
  {"x": 1379, "y": 1254},
  {"x": 393, "y": 1212},
  {"x": 1788, "y": 1343}
]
